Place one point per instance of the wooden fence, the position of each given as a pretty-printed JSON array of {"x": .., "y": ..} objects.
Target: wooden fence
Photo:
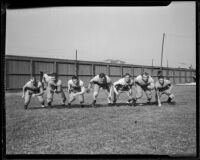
[{"x": 19, "y": 69}]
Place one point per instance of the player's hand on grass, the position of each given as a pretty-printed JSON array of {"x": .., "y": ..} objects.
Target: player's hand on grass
[
  {"x": 87, "y": 90},
  {"x": 159, "y": 105}
]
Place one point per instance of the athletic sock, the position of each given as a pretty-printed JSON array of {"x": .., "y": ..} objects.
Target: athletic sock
[{"x": 25, "y": 106}]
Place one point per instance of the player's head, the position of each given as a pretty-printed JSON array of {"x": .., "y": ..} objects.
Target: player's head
[
  {"x": 102, "y": 77},
  {"x": 54, "y": 76},
  {"x": 161, "y": 79},
  {"x": 75, "y": 79},
  {"x": 33, "y": 80},
  {"x": 145, "y": 76},
  {"x": 41, "y": 76},
  {"x": 127, "y": 77}
]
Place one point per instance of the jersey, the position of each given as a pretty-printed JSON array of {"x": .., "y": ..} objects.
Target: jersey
[
  {"x": 139, "y": 81},
  {"x": 121, "y": 84},
  {"x": 33, "y": 88},
  {"x": 52, "y": 84},
  {"x": 96, "y": 80},
  {"x": 75, "y": 87},
  {"x": 163, "y": 87}
]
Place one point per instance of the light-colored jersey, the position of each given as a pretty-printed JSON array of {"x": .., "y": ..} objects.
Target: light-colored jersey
[
  {"x": 75, "y": 87},
  {"x": 139, "y": 81},
  {"x": 54, "y": 84},
  {"x": 48, "y": 78},
  {"x": 96, "y": 79},
  {"x": 121, "y": 83},
  {"x": 33, "y": 88},
  {"x": 163, "y": 87}
]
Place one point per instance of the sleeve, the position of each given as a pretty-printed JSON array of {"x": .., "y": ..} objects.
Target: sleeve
[
  {"x": 168, "y": 82},
  {"x": 137, "y": 79},
  {"x": 95, "y": 79},
  {"x": 118, "y": 82},
  {"x": 156, "y": 85},
  {"x": 81, "y": 84},
  {"x": 59, "y": 83},
  {"x": 108, "y": 80}
]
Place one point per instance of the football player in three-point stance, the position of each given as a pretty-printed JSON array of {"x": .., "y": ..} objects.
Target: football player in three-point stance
[
  {"x": 54, "y": 85},
  {"x": 123, "y": 85},
  {"x": 163, "y": 86},
  {"x": 144, "y": 82},
  {"x": 76, "y": 88},
  {"x": 100, "y": 81},
  {"x": 33, "y": 88}
]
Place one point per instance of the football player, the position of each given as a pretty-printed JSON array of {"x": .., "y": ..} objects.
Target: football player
[
  {"x": 123, "y": 85},
  {"x": 163, "y": 86},
  {"x": 33, "y": 88},
  {"x": 76, "y": 88},
  {"x": 100, "y": 81},
  {"x": 144, "y": 82},
  {"x": 54, "y": 85}
]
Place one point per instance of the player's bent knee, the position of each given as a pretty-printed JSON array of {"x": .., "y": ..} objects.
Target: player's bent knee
[
  {"x": 96, "y": 94},
  {"x": 171, "y": 96}
]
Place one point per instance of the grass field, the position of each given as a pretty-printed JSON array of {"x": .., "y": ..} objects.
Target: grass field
[{"x": 122, "y": 129}]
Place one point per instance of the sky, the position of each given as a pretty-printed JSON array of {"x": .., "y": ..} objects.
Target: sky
[{"x": 131, "y": 34}]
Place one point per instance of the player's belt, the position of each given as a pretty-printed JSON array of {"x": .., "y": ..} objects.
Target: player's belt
[
  {"x": 163, "y": 89},
  {"x": 121, "y": 87},
  {"x": 101, "y": 84}
]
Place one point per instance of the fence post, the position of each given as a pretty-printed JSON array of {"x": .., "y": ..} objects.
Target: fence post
[
  {"x": 93, "y": 70},
  {"x": 132, "y": 71},
  {"x": 31, "y": 68},
  {"x": 108, "y": 70},
  {"x": 121, "y": 71},
  {"x": 5, "y": 74},
  {"x": 55, "y": 67}
]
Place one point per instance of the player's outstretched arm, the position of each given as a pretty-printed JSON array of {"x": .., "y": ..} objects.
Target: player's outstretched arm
[
  {"x": 158, "y": 97},
  {"x": 23, "y": 91},
  {"x": 41, "y": 92}
]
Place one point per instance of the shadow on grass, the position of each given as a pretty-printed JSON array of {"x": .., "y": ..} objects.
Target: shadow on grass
[{"x": 102, "y": 105}]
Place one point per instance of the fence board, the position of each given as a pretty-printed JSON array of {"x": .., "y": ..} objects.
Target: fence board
[
  {"x": 100, "y": 69},
  {"x": 85, "y": 70},
  {"x": 46, "y": 67},
  {"x": 17, "y": 81},
  {"x": 137, "y": 71},
  {"x": 18, "y": 67},
  {"x": 116, "y": 71},
  {"x": 127, "y": 70},
  {"x": 64, "y": 68}
]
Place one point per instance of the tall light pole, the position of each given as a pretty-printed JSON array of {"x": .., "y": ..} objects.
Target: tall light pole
[{"x": 162, "y": 50}]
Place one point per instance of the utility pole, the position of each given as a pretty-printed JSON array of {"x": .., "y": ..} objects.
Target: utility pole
[
  {"x": 76, "y": 66},
  {"x": 162, "y": 50}
]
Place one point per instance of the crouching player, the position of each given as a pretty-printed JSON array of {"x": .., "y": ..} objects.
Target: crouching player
[
  {"x": 100, "y": 81},
  {"x": 123, "y": 85},
  {"x": 33, "y": 88},
  {"x": 144, "y": 82},
  {"x": 163, "y": 86},
  {"x": 54, "y": 85},
  {"x": 76, "y": 88}
]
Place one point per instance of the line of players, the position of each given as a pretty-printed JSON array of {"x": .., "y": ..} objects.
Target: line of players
[{"x": 142, "y": 83}]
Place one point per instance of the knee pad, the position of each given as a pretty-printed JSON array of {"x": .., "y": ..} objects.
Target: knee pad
[
  {"x": 171, "y": 96},
  {"x": 95, "y": 94}
]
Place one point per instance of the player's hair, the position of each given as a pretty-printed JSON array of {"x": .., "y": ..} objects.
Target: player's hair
[
  {"x": 101, "y": 75},
  {"x": 127, "y": 74},
  {"x": 75, "y": 77},
  {"x": 145, "y": 73},
  {"x": 161, "y": 77},
  {"x": 54, "y": 75},
  {"x": 41, "y": 75},
  {"x": 33, "y": 78}
]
